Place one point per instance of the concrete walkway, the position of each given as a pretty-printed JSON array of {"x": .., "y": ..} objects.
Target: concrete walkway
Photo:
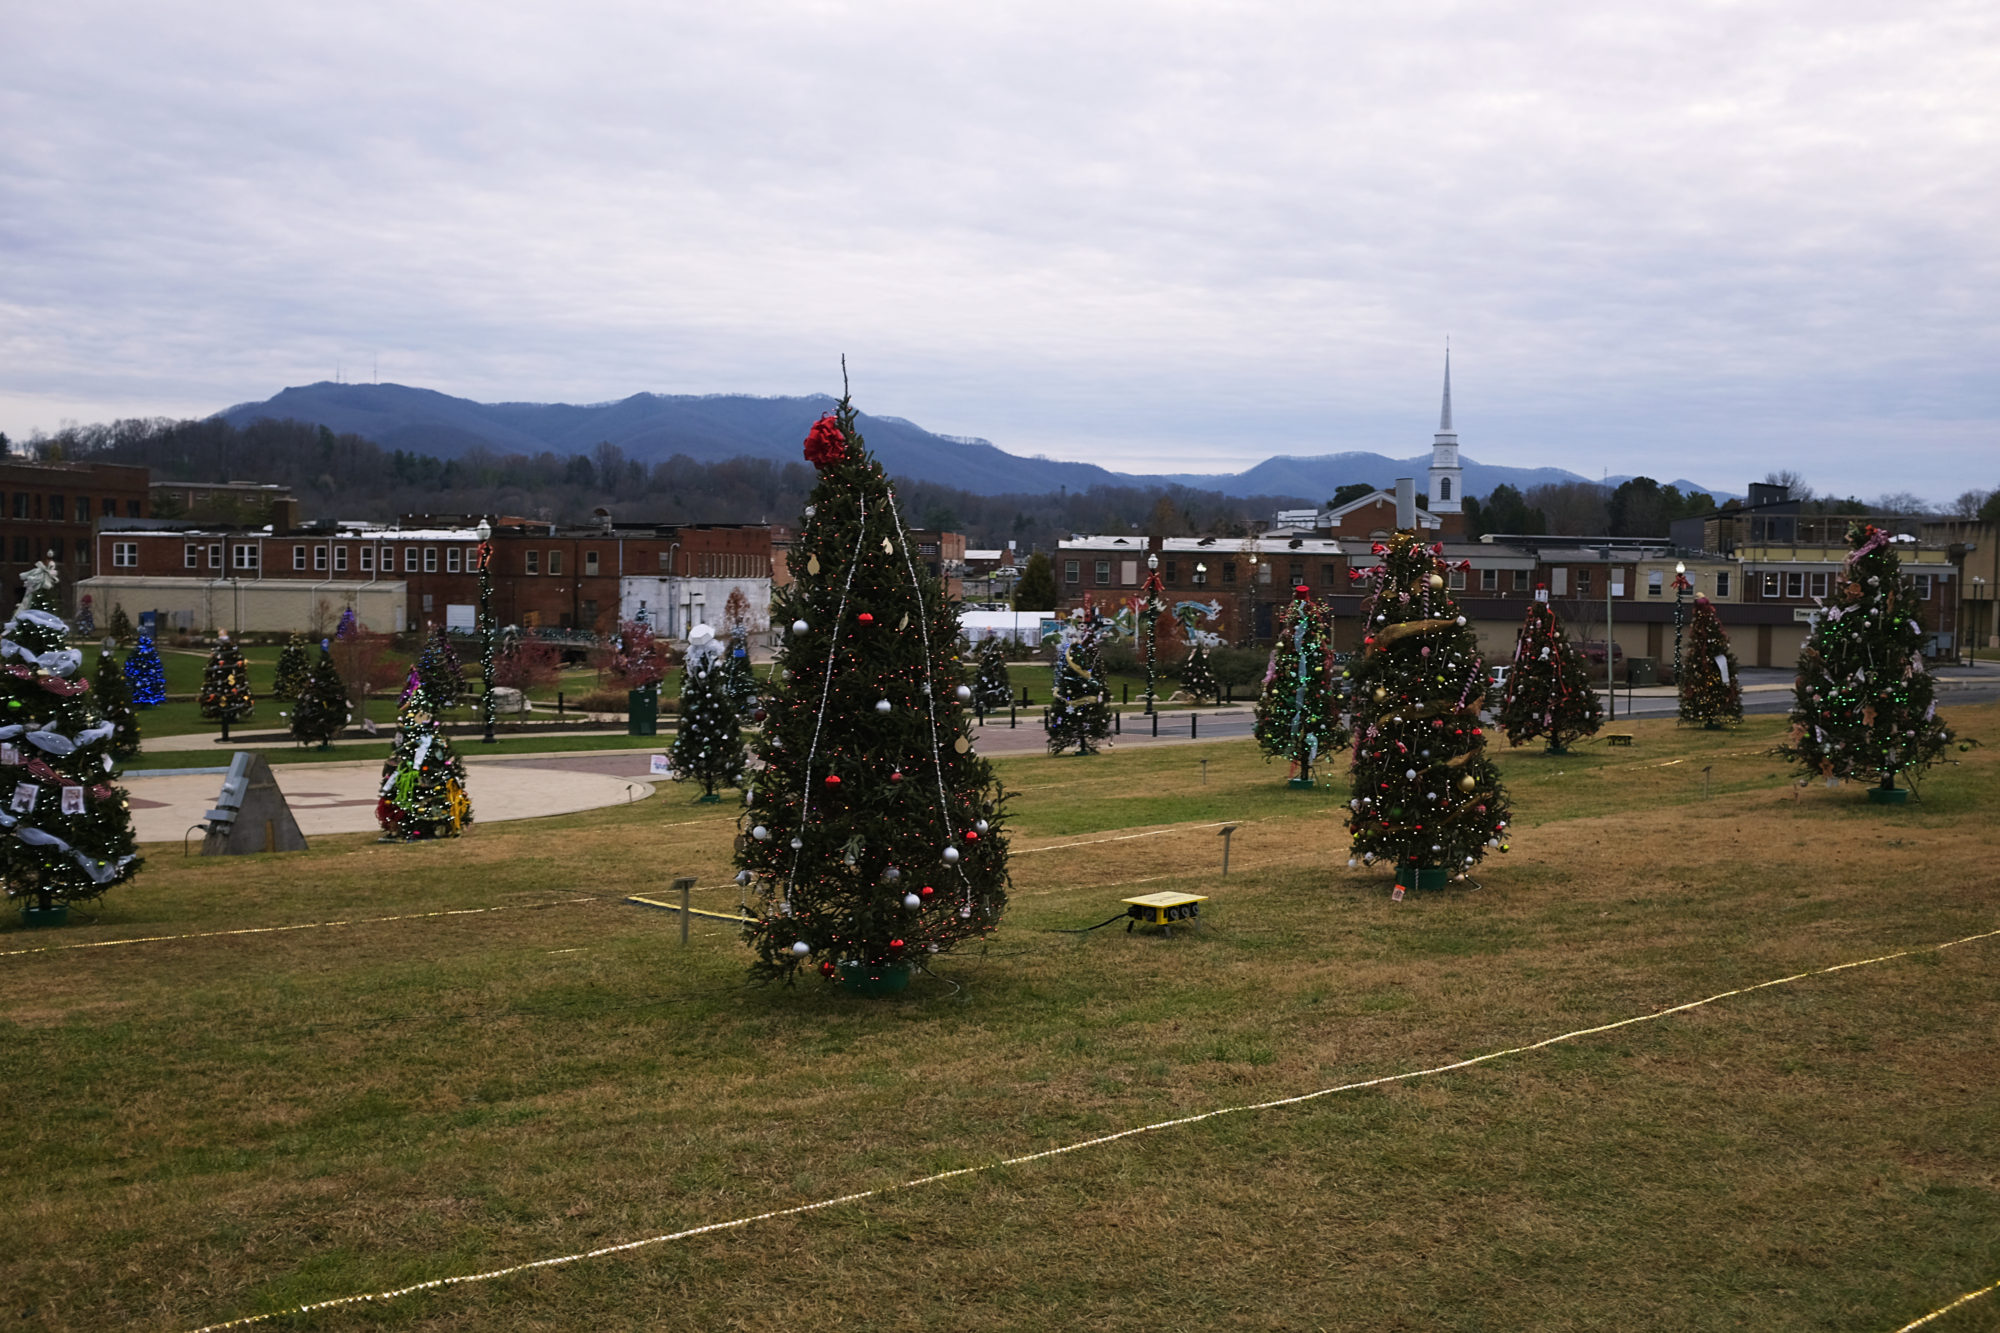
[{"x": 340, "y": 797}]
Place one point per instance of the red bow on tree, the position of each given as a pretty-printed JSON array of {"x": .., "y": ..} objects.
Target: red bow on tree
[{"x": 826, "y": 443}]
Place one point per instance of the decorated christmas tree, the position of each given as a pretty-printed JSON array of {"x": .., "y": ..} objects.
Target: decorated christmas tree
[
  {"x": 321, "y": 709},
  {"x": 1298, "y": 712},
  {"x": 1710, "y": 689},
  {"x": 114, "y": 703},
  {"x": 993, "y": 689},
  {"x": 708, "y": 747},
  {"x": 443, "y": 677},
  {"x": 1426, "y": 795},
  {"x": 120, "y": 628},
  {"x": 739, "y": 676},
  {"x": 294, "y": 671},
  {"x": 86, "y": 617},
  {"x": 1197, "y": 680},
  {"x": 423, "y": 782},
  {"x": 1863, "y": 705},
  {"x": 69, "y": 831},
  {"x": 146, "y": 673},
  {"x": 1548, "y": 691},
  {"x": 1079, "y": 713},
  {"x": 873, "y": 831},
  {"x": 225, "y": 686}
]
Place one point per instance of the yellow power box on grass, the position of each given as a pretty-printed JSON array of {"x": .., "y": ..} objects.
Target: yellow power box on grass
[{"x": 1163, "y": 909}]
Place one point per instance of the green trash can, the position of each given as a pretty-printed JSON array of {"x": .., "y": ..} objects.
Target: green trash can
[{"x": 642, "y": 711}]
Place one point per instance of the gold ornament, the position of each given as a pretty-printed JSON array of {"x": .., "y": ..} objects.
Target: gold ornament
[
  {"x": 961, "y": 745},
  {"x": 1437, "y": 580},
  {"x": 1466, "y": 783},
  {"x": 812, "y": 564},
  {"x": 904, "y": 623},
  {"x": 1380, "y": 694}
]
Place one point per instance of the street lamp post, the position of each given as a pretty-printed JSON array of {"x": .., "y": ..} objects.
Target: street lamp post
[
  {"x": 1152, "y": 614},
  {"x": 1681, "y": 589},
  {"x": 485, "y": 557},
  {"x": 1978, "y": 600}
]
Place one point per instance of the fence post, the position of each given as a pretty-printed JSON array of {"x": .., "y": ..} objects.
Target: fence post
[
  {"x": 1156, "y": 725},
  {"x": 1194, "y": 725},
  {"x": 684, "y": 884}
]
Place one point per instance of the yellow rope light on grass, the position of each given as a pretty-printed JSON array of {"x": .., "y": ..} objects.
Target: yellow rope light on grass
[{"x": 858, "y": 1196}]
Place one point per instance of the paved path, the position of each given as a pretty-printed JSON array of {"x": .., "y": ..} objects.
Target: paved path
[{"x": 340, "y": 797}]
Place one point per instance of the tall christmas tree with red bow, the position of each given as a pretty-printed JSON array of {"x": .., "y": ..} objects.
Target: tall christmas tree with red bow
[
  {"x": 1426, "y": 794},
  {"x": 1548, "y": 692},
  {"x": 872, "y": 832}
]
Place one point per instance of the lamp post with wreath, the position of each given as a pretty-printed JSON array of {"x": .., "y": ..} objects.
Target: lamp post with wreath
[
  {"x": 1681, "y": 589},
  {"x": 485, "y": 558},
  {"x": 1154, "y": 604}
]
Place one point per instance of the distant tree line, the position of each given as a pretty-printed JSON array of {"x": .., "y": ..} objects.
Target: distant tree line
[{"x": 350, "y": 476}]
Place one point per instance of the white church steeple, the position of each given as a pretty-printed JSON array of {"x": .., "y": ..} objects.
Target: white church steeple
[{"x": 1447, "y": 492}]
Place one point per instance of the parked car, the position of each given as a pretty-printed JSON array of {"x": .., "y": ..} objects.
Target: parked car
[{"x": 1593, "y": 649}]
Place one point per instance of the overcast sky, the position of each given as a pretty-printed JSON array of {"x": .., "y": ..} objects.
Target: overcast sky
[{"x": 1684, "y": 239}]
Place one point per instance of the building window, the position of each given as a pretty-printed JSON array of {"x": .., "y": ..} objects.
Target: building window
[
  {"x": 245, "y": 557},
  {"x": 1583, "y": 583},
  {"x": 21, "y": 556},
  {"x": 555, "y": 562},
  {"x": 1722, "y": 583},
  {"x": 340, "y": 559},
  {"x": 1816, "y": 585},
  {"x": 191, "y": 555},
  {"x": 110, "y": 509},
  {"x": 298, "y": 557},
  {"x": 534, "y": 562},
  {"x": 83, "y": 550},
  {"x": 589, "y": 613},
  {"x": 1923, "y": 582},
  {"x": 58, "y": 506},
  {"x": 20, "y": 504},
  {"x": 1521, "y": 580},
  {"x": 319, "y": 558},
  {"x": 1656, "y": 582},
  {"x": 590, "y": 562},
  {"x": 1559, "y": 581},
  {"x": 1489, "y": 580},
  {"x": 1444, "y": 488},
  {"x": 1771, "y": 584},
  {"x": 132, "y": 509},
  {"x": 1171, "y": 573},
  {"x": 367, "y": 560},
  {"x": 1327, "y": 575},
  {"x": 215, "y": 555},
  {"x": 1455, "y": 580},
  {"x": 1229, "y": 571},
  {"x": 83, "y": 509},
  {"x": 430, "y": 559},
  {"x": 452, "y": 556},
  {"x": 667, "y": 561},
  {"x": 427, "y": 603},
  {"x": 1103, "y": 572},
  {"x": 409, "y": 560},
  {"x": 1072, "y": 571},
  {"x": 125, "y": 555},
  {"x": 1298, "y": 573},
  {"x": 1795, "y": 583}
]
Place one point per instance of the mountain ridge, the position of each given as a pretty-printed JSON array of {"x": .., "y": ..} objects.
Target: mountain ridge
[{"x": 652, "y": 427}]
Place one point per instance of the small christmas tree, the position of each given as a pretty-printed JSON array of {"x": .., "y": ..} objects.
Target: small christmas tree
[
  {"x": 1197, "y": 679},
  {"x": 708, "y": 748},
  {"x": 1426, "y": 793},
  {"x": 120, "y": 628},
  {"x": 1298, "y": 712},
  {"x": 1548, "y": 691},
  {"x": 86, "y": 618},
  {"x": 873, "y": 828},
  {"x": 1711, "y": 690},
  {"x": 993, "y": 689},
  {"x": 69, "y": 829},
  {"x": 321, "y": 709},
  {"x": 423, "y": 782},
  {"x": 114, "y": 703},
  {"x": 225, "y": 686},
  {"x": 294, "y": 671},
  {"x": 739, "y": 676},
  {"x": 439, "y": 669},
  {"x": 1079, "y": 714},
  {"x": 1864, "y": 704},
  {"x": 146, "y": 673}
]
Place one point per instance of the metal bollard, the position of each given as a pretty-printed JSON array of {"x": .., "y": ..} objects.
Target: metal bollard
[
  {"x": 1194, "y": 725},
  {"x": 1156, "y": 725}
]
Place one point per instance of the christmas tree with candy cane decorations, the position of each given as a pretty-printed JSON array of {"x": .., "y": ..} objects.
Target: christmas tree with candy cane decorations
[
  {"x": 1548, "y": 691},
  {"x": 65, "y": 830},
  {"x": 321, "y": 708},
  {"x": 423, "y": 781},
  {"x": 872, "y": 832},
  {"x": 1710, "y": 688},
  {"x": 1864, "y": 705},
  {"x": 294, "y": 672},
  {"x": 1426, "y": 794},
  {"x": 1298, "y": 712},
  {"x": 1079, "y": 714}
]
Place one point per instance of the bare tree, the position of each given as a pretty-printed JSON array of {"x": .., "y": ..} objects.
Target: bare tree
[
  {"x": 1969, "y": 503},
  {"x": 1794, "y": 484},
  {"x": 1902, "y": 504}
]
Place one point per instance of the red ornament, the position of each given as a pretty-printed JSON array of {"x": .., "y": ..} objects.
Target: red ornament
[
  {"x": 895, "y": 947},
  {"x": 833, "y": 779},
  {"x": 826, "y": 968},
  {"x": 926, "y": 891},
  {"x": 971, "y": 836},
  {"x": 865, "y": 618},
  {"x": 896, "y": 775},
  {"x": 826, "y": 443}
]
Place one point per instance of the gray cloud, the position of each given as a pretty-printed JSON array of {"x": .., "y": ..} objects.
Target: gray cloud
[{"x": 1701, "y": 240}]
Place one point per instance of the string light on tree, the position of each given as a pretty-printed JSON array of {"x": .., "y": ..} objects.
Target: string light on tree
[
  {"x": 1549, "y": 691},
  {"x": 1298, "y": 711},
  {"x": 1710, "y": 687},
  {"x": 1079, "y": 715},
  {"x": 423, "y": 782}
]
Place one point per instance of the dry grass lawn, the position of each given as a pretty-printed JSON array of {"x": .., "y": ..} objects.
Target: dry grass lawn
[{"x": 202, "y": 1128}]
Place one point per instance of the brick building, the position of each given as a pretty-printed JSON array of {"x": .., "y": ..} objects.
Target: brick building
[{"x": 56, "y": 507}]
